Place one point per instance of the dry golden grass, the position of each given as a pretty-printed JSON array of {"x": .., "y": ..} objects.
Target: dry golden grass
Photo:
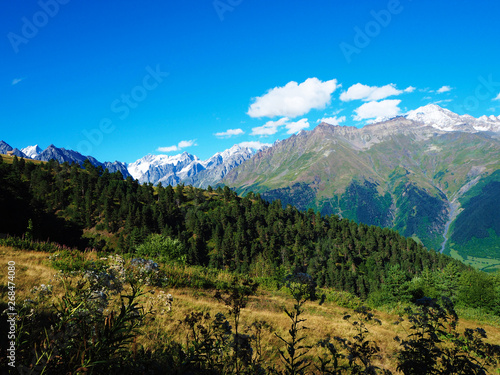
[
  {"x": 9, "y": 159},
  {"x": 33, "y": 269}
]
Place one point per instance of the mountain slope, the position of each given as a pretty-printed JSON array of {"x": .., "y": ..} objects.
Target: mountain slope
[
  {"x": 5, "y": 148},
  {"x": 62, "y": 155},
  {"x": 405, "y": 173}
]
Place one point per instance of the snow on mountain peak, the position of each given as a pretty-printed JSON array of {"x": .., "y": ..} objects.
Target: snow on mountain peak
[
  {"x": 140, "y": 167},
  {"x": 235, "y": 150},
  {"x": 446, "y": 120},
  {"x": 435, "y": 116},
  {"x": 172, "y": 169},
  {"x": 32, "y": 151}
]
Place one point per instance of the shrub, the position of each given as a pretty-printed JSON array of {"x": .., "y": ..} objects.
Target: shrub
[
  {"x": 164, "y": 249},
  {"x": 435, "y": 347}
]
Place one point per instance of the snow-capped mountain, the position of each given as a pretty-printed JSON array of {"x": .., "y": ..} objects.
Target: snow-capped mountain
[
  {"x": 219, "y": 165},
  {"x": 446, "y": 120},
  {"x": 188, "y": 168},
  {"x": 191, "y": 170},
  {"x": 168, "y": 170},
  {"x": 232, "y": 154},
  {"x": 31, "y": 151}
]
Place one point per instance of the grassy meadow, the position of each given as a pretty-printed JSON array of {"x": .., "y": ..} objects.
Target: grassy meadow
[{"x": 323, "y": 320}]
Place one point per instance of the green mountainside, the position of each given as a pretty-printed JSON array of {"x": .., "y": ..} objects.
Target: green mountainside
[
  {"x": 400, "y": 174},
  {"x": 92, "y": 208}
]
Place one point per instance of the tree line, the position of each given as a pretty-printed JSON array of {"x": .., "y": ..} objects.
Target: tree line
[{"x": 91, "y": 208}]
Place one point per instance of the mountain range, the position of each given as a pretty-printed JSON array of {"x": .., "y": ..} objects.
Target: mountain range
[
  {"x": 155, "y": 169},
  {"x": 431, "y": 174},
  {"x": 187, "y": 168},
  {"x": 62, "y": 155}
]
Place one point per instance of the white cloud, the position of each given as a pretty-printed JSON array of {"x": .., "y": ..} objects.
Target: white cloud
[
  {"x": 294, "y": 127},
  {"x": 270, "y": 127},
  {"x": 333, "y": 120},
  {"x": 178, "y": 147},
  {"x": 497, "y": 98},
  {"x": 184, "y": 144},
  {"x": 370, "y": 93},
  {"x": 168, "y": 149},
  {"x": 378, "y": 110},
  {"x": 255, "y": 144},
  {"x": 15, "y": 81},
  {"x": 410, "y": 89},
  {"x": 293, "y": 99},
  {"x": 229, "y": 133},
  {"x": 444, "y": 89}
]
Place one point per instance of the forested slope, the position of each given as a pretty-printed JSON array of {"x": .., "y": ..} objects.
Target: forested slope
[{"x": 93, "y": 208}]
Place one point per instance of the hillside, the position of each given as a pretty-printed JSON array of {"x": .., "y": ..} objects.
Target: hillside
[
  {"x": 401, "y": 174},
  {"x": 214, "y": 228}
]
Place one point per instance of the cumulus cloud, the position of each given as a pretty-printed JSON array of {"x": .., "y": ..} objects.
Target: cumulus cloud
[
  {"x": 497, "y": 97},
  {"x": 270, "y": 127},
  {"x": 444, "y": 89},
  {"x": 378, "y": 110},
  {"x": 178, "y": 147},
  {"x": 370, "y": 93},
  {"x": 333, "y": 120},
  {"x": 255, "y": 145},
  {"x": 294, "y": 127},
  {"x": 229, "y": 133},
  {"x": 184, "y": 144},
  {"x": 410, "y": 89},
  {"x": 293, "y": 99}
]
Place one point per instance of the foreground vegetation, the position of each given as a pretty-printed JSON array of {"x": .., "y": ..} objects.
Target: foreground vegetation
[{"x": 90, "y": 315}]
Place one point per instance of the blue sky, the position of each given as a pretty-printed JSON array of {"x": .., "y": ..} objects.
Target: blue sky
[{"x": 121, "y": 79}]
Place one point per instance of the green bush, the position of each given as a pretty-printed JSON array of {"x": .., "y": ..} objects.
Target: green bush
[
  {"x": 478, "y": 290},
  {"x": 162, "y": 248},
  {"x": 28, "y": 244},
  {"x": 435, "y": 347},
  {"x": 342, "y": 298},
  {"x": 68, "y": 260}
]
